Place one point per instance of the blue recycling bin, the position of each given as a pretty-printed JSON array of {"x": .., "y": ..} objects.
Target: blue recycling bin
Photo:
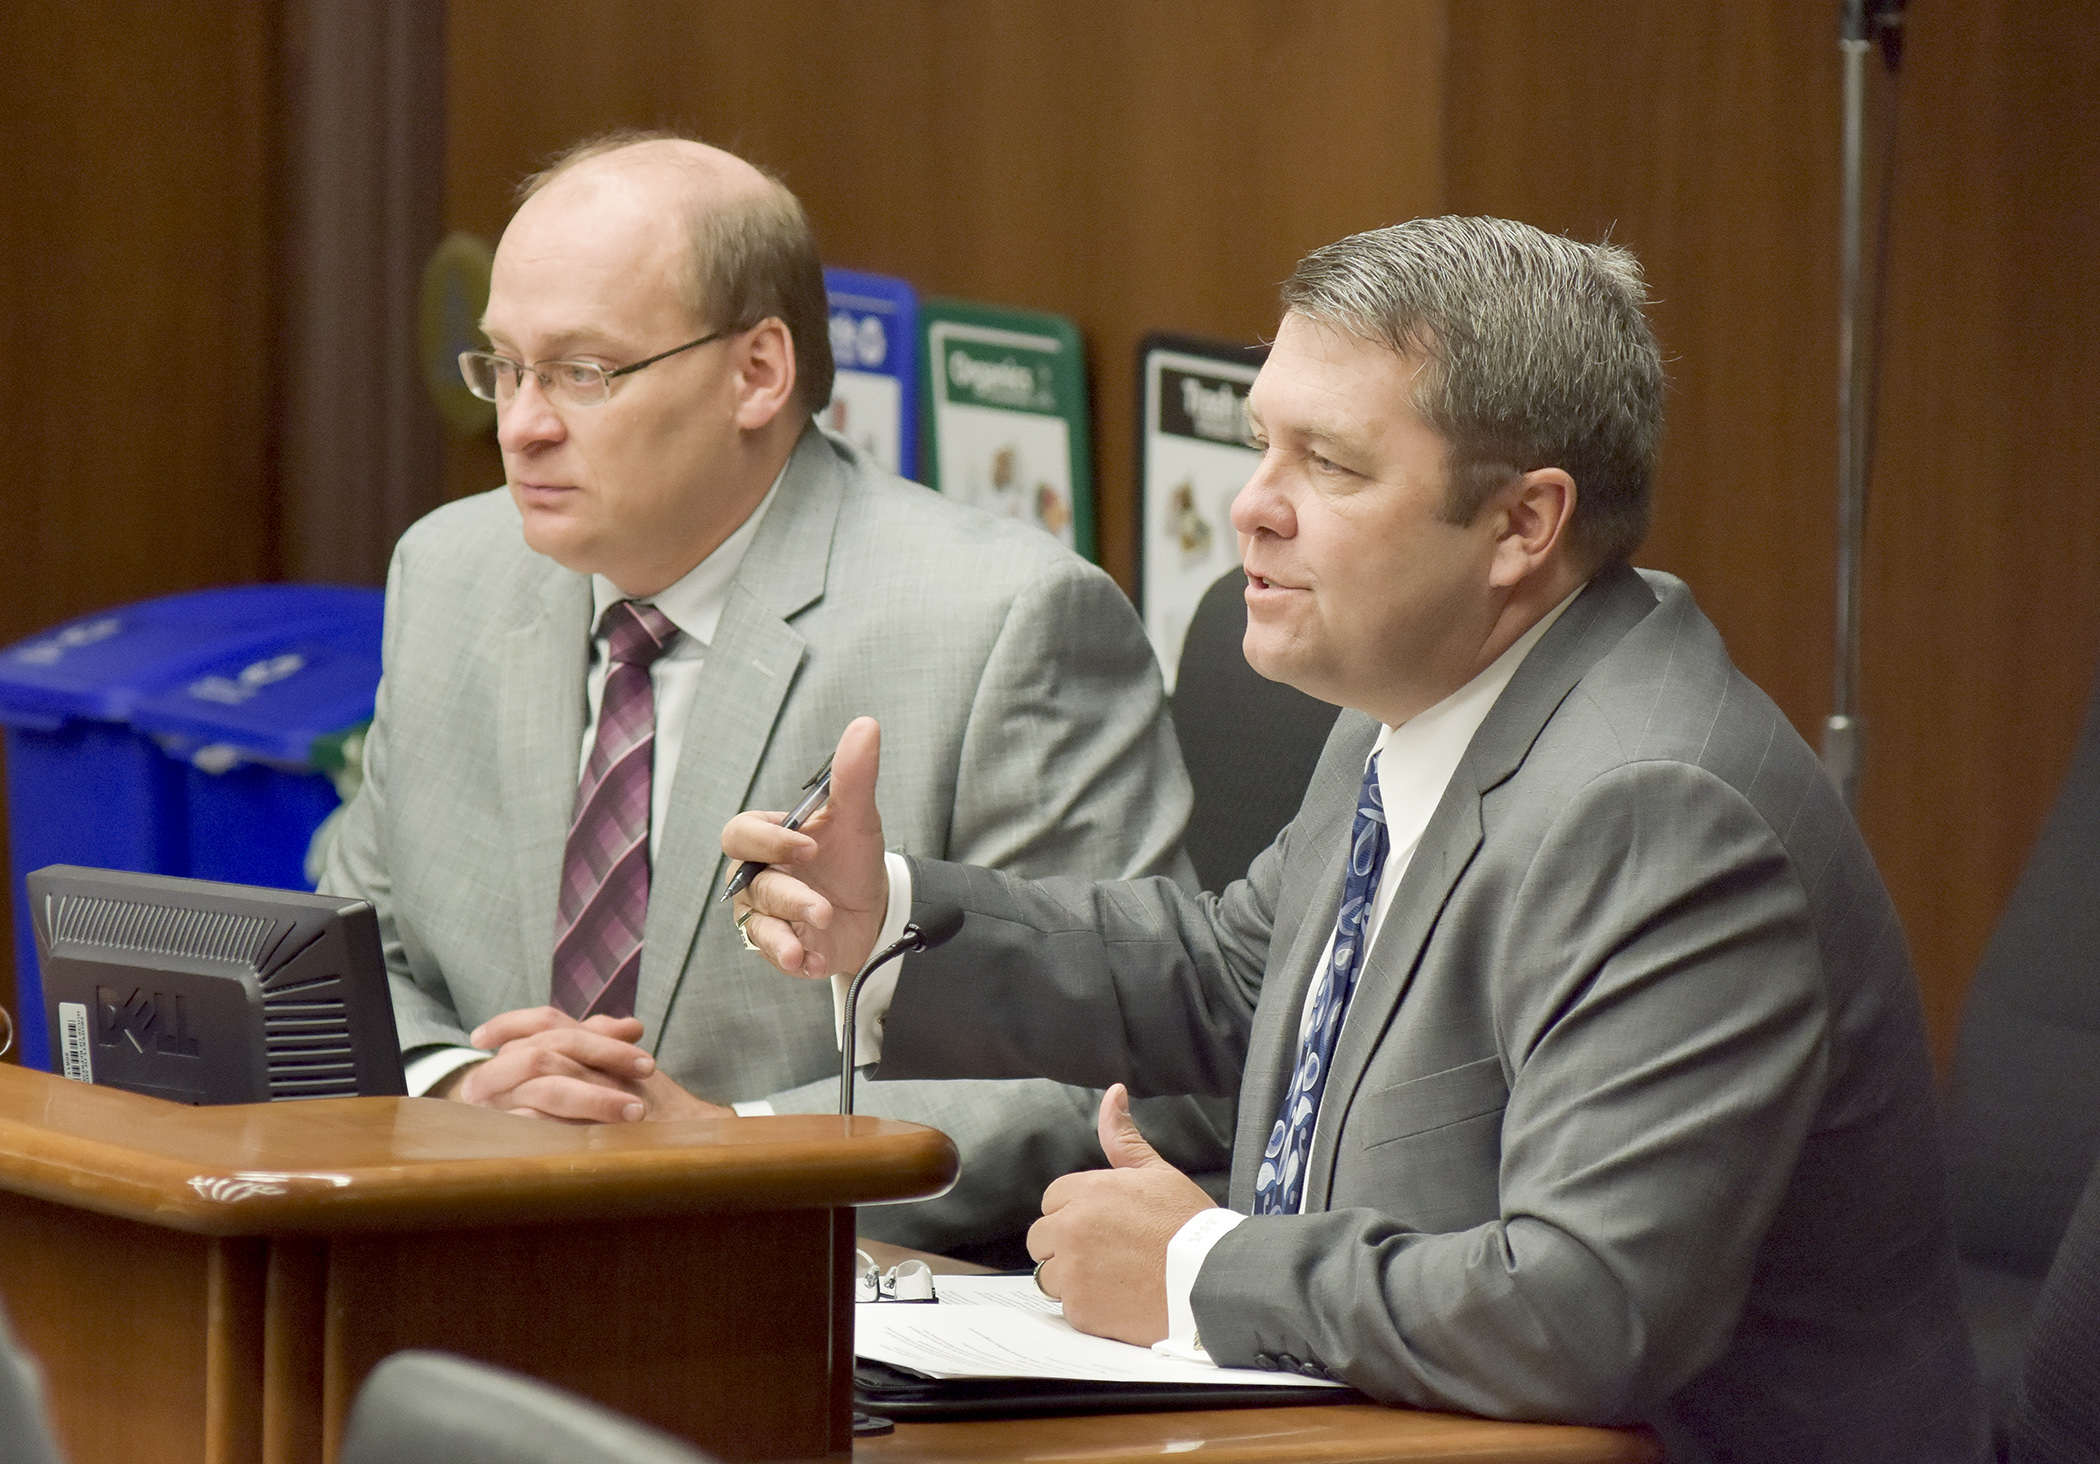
[
  {"x": 87, "y": 783},
  {"x": 248, "y": 730}
]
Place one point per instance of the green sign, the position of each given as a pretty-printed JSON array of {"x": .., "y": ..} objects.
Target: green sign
[{"x": 1006, "y": 415}]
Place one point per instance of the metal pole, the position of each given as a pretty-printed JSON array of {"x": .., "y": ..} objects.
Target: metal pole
[{"x": 1844, "y": 747}]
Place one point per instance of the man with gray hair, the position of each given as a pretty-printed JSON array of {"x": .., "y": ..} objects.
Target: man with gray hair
[
  {"x": 1581, "y": 1072},
  {"x": 686, "y": 591}
]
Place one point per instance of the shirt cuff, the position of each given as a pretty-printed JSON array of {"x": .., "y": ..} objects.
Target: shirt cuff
[
  {"x": 1185, "y": 1254},
  {"x": 753, "y": 1108},
  {"x": 873, "y": 1008},
  {"x": 419, "y": 1075}
]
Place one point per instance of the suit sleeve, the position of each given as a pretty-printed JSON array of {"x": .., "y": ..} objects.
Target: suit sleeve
[
  {"x": 357, "y": 857},
  {"x": 1162, "y": 983},
  {"x": 1665, "y": 1031},
  {"x": 1069, "y": 765}
]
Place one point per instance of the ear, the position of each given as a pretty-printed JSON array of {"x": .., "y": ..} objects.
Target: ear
[
  {"x": 764, "y": 362},
  {"x": 1532, "y": 516}
]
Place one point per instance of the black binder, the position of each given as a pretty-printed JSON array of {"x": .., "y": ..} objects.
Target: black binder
[{"x": 908, "y": 1397}]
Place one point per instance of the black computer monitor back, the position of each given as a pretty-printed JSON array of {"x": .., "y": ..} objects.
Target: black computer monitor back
[{"x": 212, "y": 993}]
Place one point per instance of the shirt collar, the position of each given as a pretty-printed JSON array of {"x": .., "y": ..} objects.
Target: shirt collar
[
  {"x": 695, "y": 601},
  {"x": 1417, "y": 758}
]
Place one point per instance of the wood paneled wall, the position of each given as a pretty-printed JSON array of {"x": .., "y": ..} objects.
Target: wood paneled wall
[
  {"x": 1159, "y": 164},
  {"x": 136, "y": 286},
  {"x": 137, "y": 290},
  {"x": 1706, "y": 138},
  {"x": 1137, "y": 166}
]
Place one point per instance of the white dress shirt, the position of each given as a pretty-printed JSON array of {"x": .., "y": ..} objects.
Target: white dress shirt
[
  {"x": 1415, "y": 763},
  {"x": 694, "y": 603}
]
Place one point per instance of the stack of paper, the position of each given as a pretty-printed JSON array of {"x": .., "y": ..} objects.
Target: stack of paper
[{"x": 1003, "y": 1327}]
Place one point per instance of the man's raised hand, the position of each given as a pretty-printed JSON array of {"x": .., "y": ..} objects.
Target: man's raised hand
[{"x": 819, "y": 906}]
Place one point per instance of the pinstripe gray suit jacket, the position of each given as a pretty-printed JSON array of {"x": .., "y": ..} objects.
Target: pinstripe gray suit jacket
[
  {"x": 1631, "y": 1117},
  {"x": 1023, "y": 727}
]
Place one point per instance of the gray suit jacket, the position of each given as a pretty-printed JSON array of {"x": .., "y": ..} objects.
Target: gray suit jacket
[
  {"x": 1631, "y": 1117},
  {"x": 1023, "y": 727}
]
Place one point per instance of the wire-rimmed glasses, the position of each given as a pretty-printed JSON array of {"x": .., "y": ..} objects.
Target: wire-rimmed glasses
[{"x": 495, "y": 378}]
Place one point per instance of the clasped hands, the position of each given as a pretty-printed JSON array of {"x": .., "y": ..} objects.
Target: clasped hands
[
  {"x": 549, "y": 1065},
  {"x": 817, "y": 909}
]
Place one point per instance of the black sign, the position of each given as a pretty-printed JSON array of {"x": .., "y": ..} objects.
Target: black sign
[{"x": 1209, "y": 408}]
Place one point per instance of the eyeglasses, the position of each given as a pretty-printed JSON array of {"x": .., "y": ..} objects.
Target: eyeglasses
[{"x": 495, "y": 378}]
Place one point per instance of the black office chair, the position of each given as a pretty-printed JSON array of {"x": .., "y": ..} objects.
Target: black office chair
[
  {"x": 2024, "y": 1116},
  {"x": 1250, "y": 743},
  {"x": 2055, "y": 1415},
  {"x": 415, "y": 1408},
  {"x": 431, "y": 1408},
  {"x": 25, "y": 1429}
]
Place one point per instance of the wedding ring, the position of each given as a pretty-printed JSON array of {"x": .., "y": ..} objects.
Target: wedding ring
[
  {"x": 1039, "y": 1278},
  {"x": 743, "y": 934}
]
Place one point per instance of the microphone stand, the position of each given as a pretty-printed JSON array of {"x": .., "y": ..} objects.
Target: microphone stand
[
  {"x": 1844, "y": 746},
  {"x": 935, "y": 927}
]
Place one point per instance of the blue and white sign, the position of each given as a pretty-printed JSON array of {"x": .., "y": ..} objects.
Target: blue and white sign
[{"x": 874, "y": 343}]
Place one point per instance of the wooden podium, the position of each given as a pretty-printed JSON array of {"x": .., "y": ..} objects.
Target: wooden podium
[{"x": 212, "y": 1284}]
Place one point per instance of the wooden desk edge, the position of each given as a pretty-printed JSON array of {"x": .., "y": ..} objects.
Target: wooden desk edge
[
  {"x": 60, "y": 1141},
  {"x": 1353, "y": 1433}
]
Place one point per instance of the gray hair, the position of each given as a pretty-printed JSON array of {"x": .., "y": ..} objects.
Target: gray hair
[
  {"x": 752, "y": 257},
  {"x": 1540, "y": 356}
]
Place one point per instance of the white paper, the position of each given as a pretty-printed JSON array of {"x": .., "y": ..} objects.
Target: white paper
[
  {"x": 985, "y": 1327},
  {"x": 1014, "y": 1291}
]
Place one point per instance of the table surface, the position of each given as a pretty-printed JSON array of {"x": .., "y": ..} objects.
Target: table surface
[
  {"x": 333, "y": 1165},
  {"x": 1359, "y": 1433},
  {"x": 1349, "y": 1433}
]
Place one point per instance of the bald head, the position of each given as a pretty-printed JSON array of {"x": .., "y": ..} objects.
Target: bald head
[
  {"x": 746, "y": 246},
  {"x": 687, "y": 172},
  {"x": 660, "y": 254}
]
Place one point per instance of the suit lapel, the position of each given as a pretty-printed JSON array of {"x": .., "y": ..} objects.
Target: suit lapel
[
  {"x": 750, "y": 665},
  {"x": 1614, "y": 601},
  {"x": 538, "y": 752}
]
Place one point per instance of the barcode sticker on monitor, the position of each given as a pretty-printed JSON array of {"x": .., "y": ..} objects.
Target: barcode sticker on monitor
[{"x": 73, "y": 1041}]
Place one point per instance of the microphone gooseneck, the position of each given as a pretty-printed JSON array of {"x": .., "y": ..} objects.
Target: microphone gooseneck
[{"x": 936, "y": 926}]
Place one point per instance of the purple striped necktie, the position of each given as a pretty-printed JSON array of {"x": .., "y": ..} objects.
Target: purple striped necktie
[{"x": 605, "y": 867}]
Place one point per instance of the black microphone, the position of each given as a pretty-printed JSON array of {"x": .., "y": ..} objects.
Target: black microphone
[{"x": 936, "y": 927}]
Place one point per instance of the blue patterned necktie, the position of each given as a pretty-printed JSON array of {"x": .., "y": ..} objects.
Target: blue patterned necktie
[{"x": 1279, "y": 1187}]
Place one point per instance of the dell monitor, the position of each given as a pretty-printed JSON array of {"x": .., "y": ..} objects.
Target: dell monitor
[{"x": 212, "y": 993}]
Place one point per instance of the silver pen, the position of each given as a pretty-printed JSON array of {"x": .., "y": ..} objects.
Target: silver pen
[{"x": 819, "y": 786}]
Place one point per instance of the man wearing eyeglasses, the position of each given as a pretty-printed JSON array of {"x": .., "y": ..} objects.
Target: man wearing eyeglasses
[{"x": 685, "y": 594}]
